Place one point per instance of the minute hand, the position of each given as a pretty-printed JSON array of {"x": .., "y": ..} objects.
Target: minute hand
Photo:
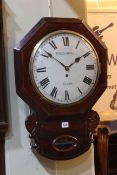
[{"x": 51, "y": 56}]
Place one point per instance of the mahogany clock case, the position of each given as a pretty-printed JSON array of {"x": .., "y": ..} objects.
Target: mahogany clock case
[
  {"x": 51, "y": 140},
  {"x": 22, "y": 53},
  {"x": 45, "y": 123}
]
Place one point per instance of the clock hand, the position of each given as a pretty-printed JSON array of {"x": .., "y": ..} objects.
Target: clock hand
[
  {"x": 78, "y": 58},
  {"x": 76, "y": 61},
  {"x": 51, "y": 56},
  {"x": 86, "y": 54}
]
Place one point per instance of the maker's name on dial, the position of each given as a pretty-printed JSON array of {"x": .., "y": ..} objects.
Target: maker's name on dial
[
  {"x": 64, "y": 53},
  {"x": 67, "y": 83}
]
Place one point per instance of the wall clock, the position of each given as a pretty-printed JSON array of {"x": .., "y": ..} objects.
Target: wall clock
[
  {"x": 61, "y": 71},
  {"x": 3, "y": 109}
]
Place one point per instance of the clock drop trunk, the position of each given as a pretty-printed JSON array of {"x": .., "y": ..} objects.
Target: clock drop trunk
[{"x": 61, "y": 139}]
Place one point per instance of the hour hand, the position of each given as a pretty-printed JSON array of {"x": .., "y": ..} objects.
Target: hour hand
[
  {"x": 78, "y": 58},
  {"x": 76, "y": 61},
  {"x": 84, "y": 55}
]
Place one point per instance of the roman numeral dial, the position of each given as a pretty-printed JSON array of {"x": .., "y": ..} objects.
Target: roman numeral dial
[
  {"x": 43, "y": 69},
  {"x": 66, "y": 95},
  {"x": 64, "y": 68},
  {"x": 90, "y": 67},
  {"x": 54, "y": 92},
  {"x": 77, "y": 44},
  {"x": 53, "y": 45},
  {"x": 65, "y": 40},
  {"x": 80, "y": 91},
  {"x": 45, "y": 82},
  {"x": 87, "y": 80}
]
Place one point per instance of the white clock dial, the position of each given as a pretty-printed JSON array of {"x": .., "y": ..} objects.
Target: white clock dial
[{"x": 64, "y": 67}]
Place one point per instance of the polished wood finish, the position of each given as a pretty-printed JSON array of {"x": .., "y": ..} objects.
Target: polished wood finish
[
  {"x": 42, "y": 134},
  {"x": 48, "y": 138},
  {"x": 102, "y": 143},
  {"x": 22, "y": 53},
  {"x": 105, "y": 148},
  {"x": 3, "y": 108}
]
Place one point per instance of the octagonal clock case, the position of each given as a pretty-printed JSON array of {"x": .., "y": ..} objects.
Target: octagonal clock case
[{"x": 61, "y": 72}]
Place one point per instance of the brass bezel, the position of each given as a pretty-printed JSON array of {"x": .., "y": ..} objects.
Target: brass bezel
[{"x": 31, "y": 63}]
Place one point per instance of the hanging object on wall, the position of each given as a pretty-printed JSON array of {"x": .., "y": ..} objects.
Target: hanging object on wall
[
  {"x": 3, "y": 108},
  {"x": 61, "y": 72}
]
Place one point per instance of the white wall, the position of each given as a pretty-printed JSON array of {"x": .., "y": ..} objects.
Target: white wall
[{"x": 19, "y": 18}]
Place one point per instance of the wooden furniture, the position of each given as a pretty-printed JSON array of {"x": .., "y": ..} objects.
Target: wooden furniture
[
  {"x": 105, "y": 145},
  {"x": 3, "y": 108}
]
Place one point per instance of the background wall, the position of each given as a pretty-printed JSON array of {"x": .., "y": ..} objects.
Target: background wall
[
  {"x": 19, "y": 17},
  {"x": 101, "y": 4}
]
